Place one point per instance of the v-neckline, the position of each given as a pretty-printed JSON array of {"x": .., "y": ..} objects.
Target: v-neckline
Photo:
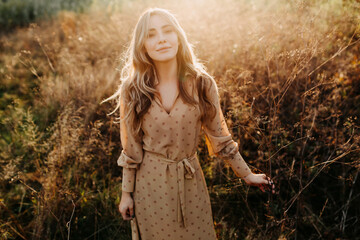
[{"x": 162, "y": 106}]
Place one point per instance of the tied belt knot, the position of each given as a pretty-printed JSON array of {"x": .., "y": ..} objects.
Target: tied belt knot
[{"x": 185, "y": 170}]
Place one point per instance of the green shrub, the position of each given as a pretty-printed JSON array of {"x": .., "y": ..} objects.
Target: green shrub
[{"x": 22, "y": 12}]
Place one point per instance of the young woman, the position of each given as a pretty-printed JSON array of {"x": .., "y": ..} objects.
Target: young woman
[{"x": 166, "y": 98}]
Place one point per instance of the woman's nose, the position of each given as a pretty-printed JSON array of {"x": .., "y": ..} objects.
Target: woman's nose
[{"x": 162, "y": 37}]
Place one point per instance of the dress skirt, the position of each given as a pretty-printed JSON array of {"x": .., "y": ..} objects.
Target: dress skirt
[{"x": 171, "y": 200}]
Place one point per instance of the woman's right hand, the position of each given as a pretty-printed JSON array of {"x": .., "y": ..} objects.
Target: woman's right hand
[
  {"x": 126, "y": 206},
  {"x": 260, "y": 180}
]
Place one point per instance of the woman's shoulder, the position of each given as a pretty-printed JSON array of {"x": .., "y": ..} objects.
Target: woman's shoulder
[
  {"x": 203, "y": 77},
  {"x": 201, "y": 84},
  {"x": 208, "y": 83}
]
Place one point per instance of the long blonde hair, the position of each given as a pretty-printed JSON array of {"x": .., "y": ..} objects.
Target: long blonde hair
[{"x": 138, "y": 74}]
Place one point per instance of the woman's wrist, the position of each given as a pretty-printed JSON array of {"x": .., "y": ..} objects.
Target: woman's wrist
[
  {"x": 246, "y": 177},
  {"x": 126, "y": 194}
]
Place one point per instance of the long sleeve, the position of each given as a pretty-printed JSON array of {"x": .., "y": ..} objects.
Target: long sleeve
[
  {"x": 219, "y": 139},
  {"x": 132, "y": 153}
]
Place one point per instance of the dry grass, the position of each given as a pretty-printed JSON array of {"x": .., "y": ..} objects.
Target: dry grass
[{"x": 288, "y": 74}]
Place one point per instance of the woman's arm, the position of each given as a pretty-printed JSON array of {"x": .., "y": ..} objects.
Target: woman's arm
[
  {"x": 130, "y": 158},
  {"x": 132, "y": 153},
  {"x": 222, "y": 145}
]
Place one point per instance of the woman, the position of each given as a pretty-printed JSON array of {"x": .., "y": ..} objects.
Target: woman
[{"x": 166, "y": 98}]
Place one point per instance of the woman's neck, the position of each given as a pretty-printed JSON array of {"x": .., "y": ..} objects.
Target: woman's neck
[{"x": 167, "y": 71}]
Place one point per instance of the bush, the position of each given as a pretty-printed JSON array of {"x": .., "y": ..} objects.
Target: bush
[{"x": 22, "y": 12}]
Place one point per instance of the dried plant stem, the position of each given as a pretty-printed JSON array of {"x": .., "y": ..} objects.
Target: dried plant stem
[
  {"x": 47, "y": 56},
  {"x": 337, "y": 53},
  {"x": 68, "y": 224},
  {"x": 18, "y": 225},
  {"x": 298, "y": 139},
  {"x": 345, "y": 210},
  {"x": 317, "y": 173}
]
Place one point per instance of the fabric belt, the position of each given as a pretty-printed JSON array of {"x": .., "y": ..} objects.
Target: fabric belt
[{"x": 185, "y": 170}]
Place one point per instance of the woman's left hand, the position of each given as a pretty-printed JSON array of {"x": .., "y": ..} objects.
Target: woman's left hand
[{"x": 260, "y": 180}]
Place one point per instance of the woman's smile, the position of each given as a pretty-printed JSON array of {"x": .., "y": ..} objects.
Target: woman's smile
[
  {"x": 163, "y": 49},
  {"x": 161, "y": 43}
]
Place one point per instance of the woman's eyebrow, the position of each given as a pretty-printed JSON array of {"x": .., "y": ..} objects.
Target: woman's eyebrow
[{"x": 167, "y": 25}]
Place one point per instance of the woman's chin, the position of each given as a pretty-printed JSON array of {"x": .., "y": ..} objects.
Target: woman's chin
[{"x": 164, "y": 59}]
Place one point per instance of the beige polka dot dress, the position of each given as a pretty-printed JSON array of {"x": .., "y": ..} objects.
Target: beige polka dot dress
[{"x": 171, "y": 200}]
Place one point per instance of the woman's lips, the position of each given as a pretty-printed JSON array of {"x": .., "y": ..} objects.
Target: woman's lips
[{"x": 162, "y": 49}]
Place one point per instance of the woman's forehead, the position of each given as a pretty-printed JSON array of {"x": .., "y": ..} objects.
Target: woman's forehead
[{"x": 158, "y": 21}]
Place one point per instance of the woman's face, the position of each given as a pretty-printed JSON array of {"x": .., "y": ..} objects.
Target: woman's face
[{"x": 162, "y": 41}]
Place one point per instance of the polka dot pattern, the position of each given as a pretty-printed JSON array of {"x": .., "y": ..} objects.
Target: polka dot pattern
[{"x": 168, "y": 205}]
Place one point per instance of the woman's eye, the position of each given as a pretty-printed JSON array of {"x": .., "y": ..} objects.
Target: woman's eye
[{"x": 150, "y": 35}]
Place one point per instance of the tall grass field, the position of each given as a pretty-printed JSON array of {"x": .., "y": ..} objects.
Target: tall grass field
[{"x": 288, "y": 74}]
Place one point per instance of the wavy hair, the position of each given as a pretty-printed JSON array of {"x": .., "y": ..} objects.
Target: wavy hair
[{"x": 138, "y": 74}]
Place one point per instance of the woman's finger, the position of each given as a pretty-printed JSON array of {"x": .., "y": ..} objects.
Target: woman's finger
[
  {"x": 262, "y": 179},
  {"x": 269, "y": 181},
  {"x": 131, "y": 209},
  {"x": 265, "y": 180},
  {"x": 268, "y": 178},
  {"x": 125, "y": 213},
  {"x": 121, "y": 211},
  {"x": 271, "y": 186}
]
